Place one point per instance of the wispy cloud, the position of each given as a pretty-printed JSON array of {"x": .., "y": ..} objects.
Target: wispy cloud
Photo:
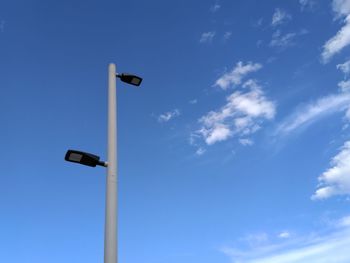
[
  {"x": 200, "y": 151},
  {"x": 306, "y": 4},
  {"x": 344, "y": 85},
  {"x": 167, "y": 116},
  {"x": 341, "y": 7},
  {"x": 242, "y": 115},
  {"x": 284, "y": 234},
  {"x": 235, "y": 76},
  {"x": 336, "y": 180},
  {"x": 214, "y": 8},
  {"x": 246, "y": 142},
  {"x": 207, "y": 37},
  {"x": 337, "y": 43},
  {"x": 280, "y": 17},
  {"x": 342, "y": 38},
  {"x": 285, "y": 40},
  {"x": 313, "y": 111},
  {"x": 312, "y": 248},
  {"x": 345, "y": 68},
  {"x": 282, "y": 40}
]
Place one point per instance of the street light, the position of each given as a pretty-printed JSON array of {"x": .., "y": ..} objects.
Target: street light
[
  {"x": 111, "y": 224},
  {"x": 130, "y": 79},
  {"x": 84, "y": 158}
]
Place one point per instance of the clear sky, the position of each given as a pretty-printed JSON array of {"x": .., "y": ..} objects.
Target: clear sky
[{"x": 236, "y": 148}]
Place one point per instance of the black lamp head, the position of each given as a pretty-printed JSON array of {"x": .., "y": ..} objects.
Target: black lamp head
[
  {"x": 130, "y": 79},
  {"x": 83, "y": 158}
]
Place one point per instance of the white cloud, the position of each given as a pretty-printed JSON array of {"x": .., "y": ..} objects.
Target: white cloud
[
  {"x": 328, "y": 248},
  {"x": 285, "y": 40},
  {"x": 341, "y": 7},
  {"x": 251, "y": 83},
  {"x": 218, "y": 132},
  {"x": 345, "y": 67},
  {"x": 246, "y": 142},
  {"x": 284, "y": 234},
  {"x": 207, "y": 37},
  {"x": 253, "y": 104},
  {"x": 279, "y": 40},
  {"x": 313, "y": 111},
  {"x": 344, "y": 85},
  {"x": 306, "y": 4},
  {"x": 194, "y": 101},
  {"x": 237, "y": 74},
  {"x": 167, "y": 116},
  {"x": 193, "y": 138},
  {"x": 241, "y": 115},
  {"x": 200, "y": 151},
  {"x": 341, "y": 40},
  {"x": 336, "y": 180},
  {"x": 338, "y": 42},
  {"x": 279, "y": 17}
]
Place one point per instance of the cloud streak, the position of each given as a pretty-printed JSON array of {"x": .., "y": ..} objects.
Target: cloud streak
[
  {"x": 280, "y": 17},
  {"x": 331, "y": 247},
  {"x": 342, "y": 38},
  {"x": 167, "y": 116},
  {"x": 235, "y": 76},
  {"x": 279, "y": 40},
  {"x": 337, "y": 43},
  {"x": 207, "y": 37},
  {"x": 246, "y": 142},
  {"x": 314, "y": 111}
]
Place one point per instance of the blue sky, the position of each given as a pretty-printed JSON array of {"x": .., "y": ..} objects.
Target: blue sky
[{"x": 235, "y": 149}]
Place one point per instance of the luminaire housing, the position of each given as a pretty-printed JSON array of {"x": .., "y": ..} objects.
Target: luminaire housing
[
  {"x": 84, "y": 158},
  {"x": 130, "y": 79}
]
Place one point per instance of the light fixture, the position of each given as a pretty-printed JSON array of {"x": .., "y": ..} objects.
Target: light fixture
[
  {"x": 84, "y": 158},
  {"x": 130, "y": 79}
]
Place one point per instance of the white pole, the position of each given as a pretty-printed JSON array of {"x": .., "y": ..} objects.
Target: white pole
[{"x": 111, "y": 224}]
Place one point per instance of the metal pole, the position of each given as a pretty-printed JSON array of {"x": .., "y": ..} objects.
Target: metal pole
[{"x": 111, "y": 224}]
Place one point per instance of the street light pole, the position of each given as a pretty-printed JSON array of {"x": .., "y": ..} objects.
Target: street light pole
[
  {"x": 111, "y": 231},
  {"x": 84, "y": 158}
]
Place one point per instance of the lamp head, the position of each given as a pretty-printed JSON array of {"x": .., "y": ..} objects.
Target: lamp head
[
  {"x": 83, "y": 158},
  {"x": 130, "y": 79}
]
